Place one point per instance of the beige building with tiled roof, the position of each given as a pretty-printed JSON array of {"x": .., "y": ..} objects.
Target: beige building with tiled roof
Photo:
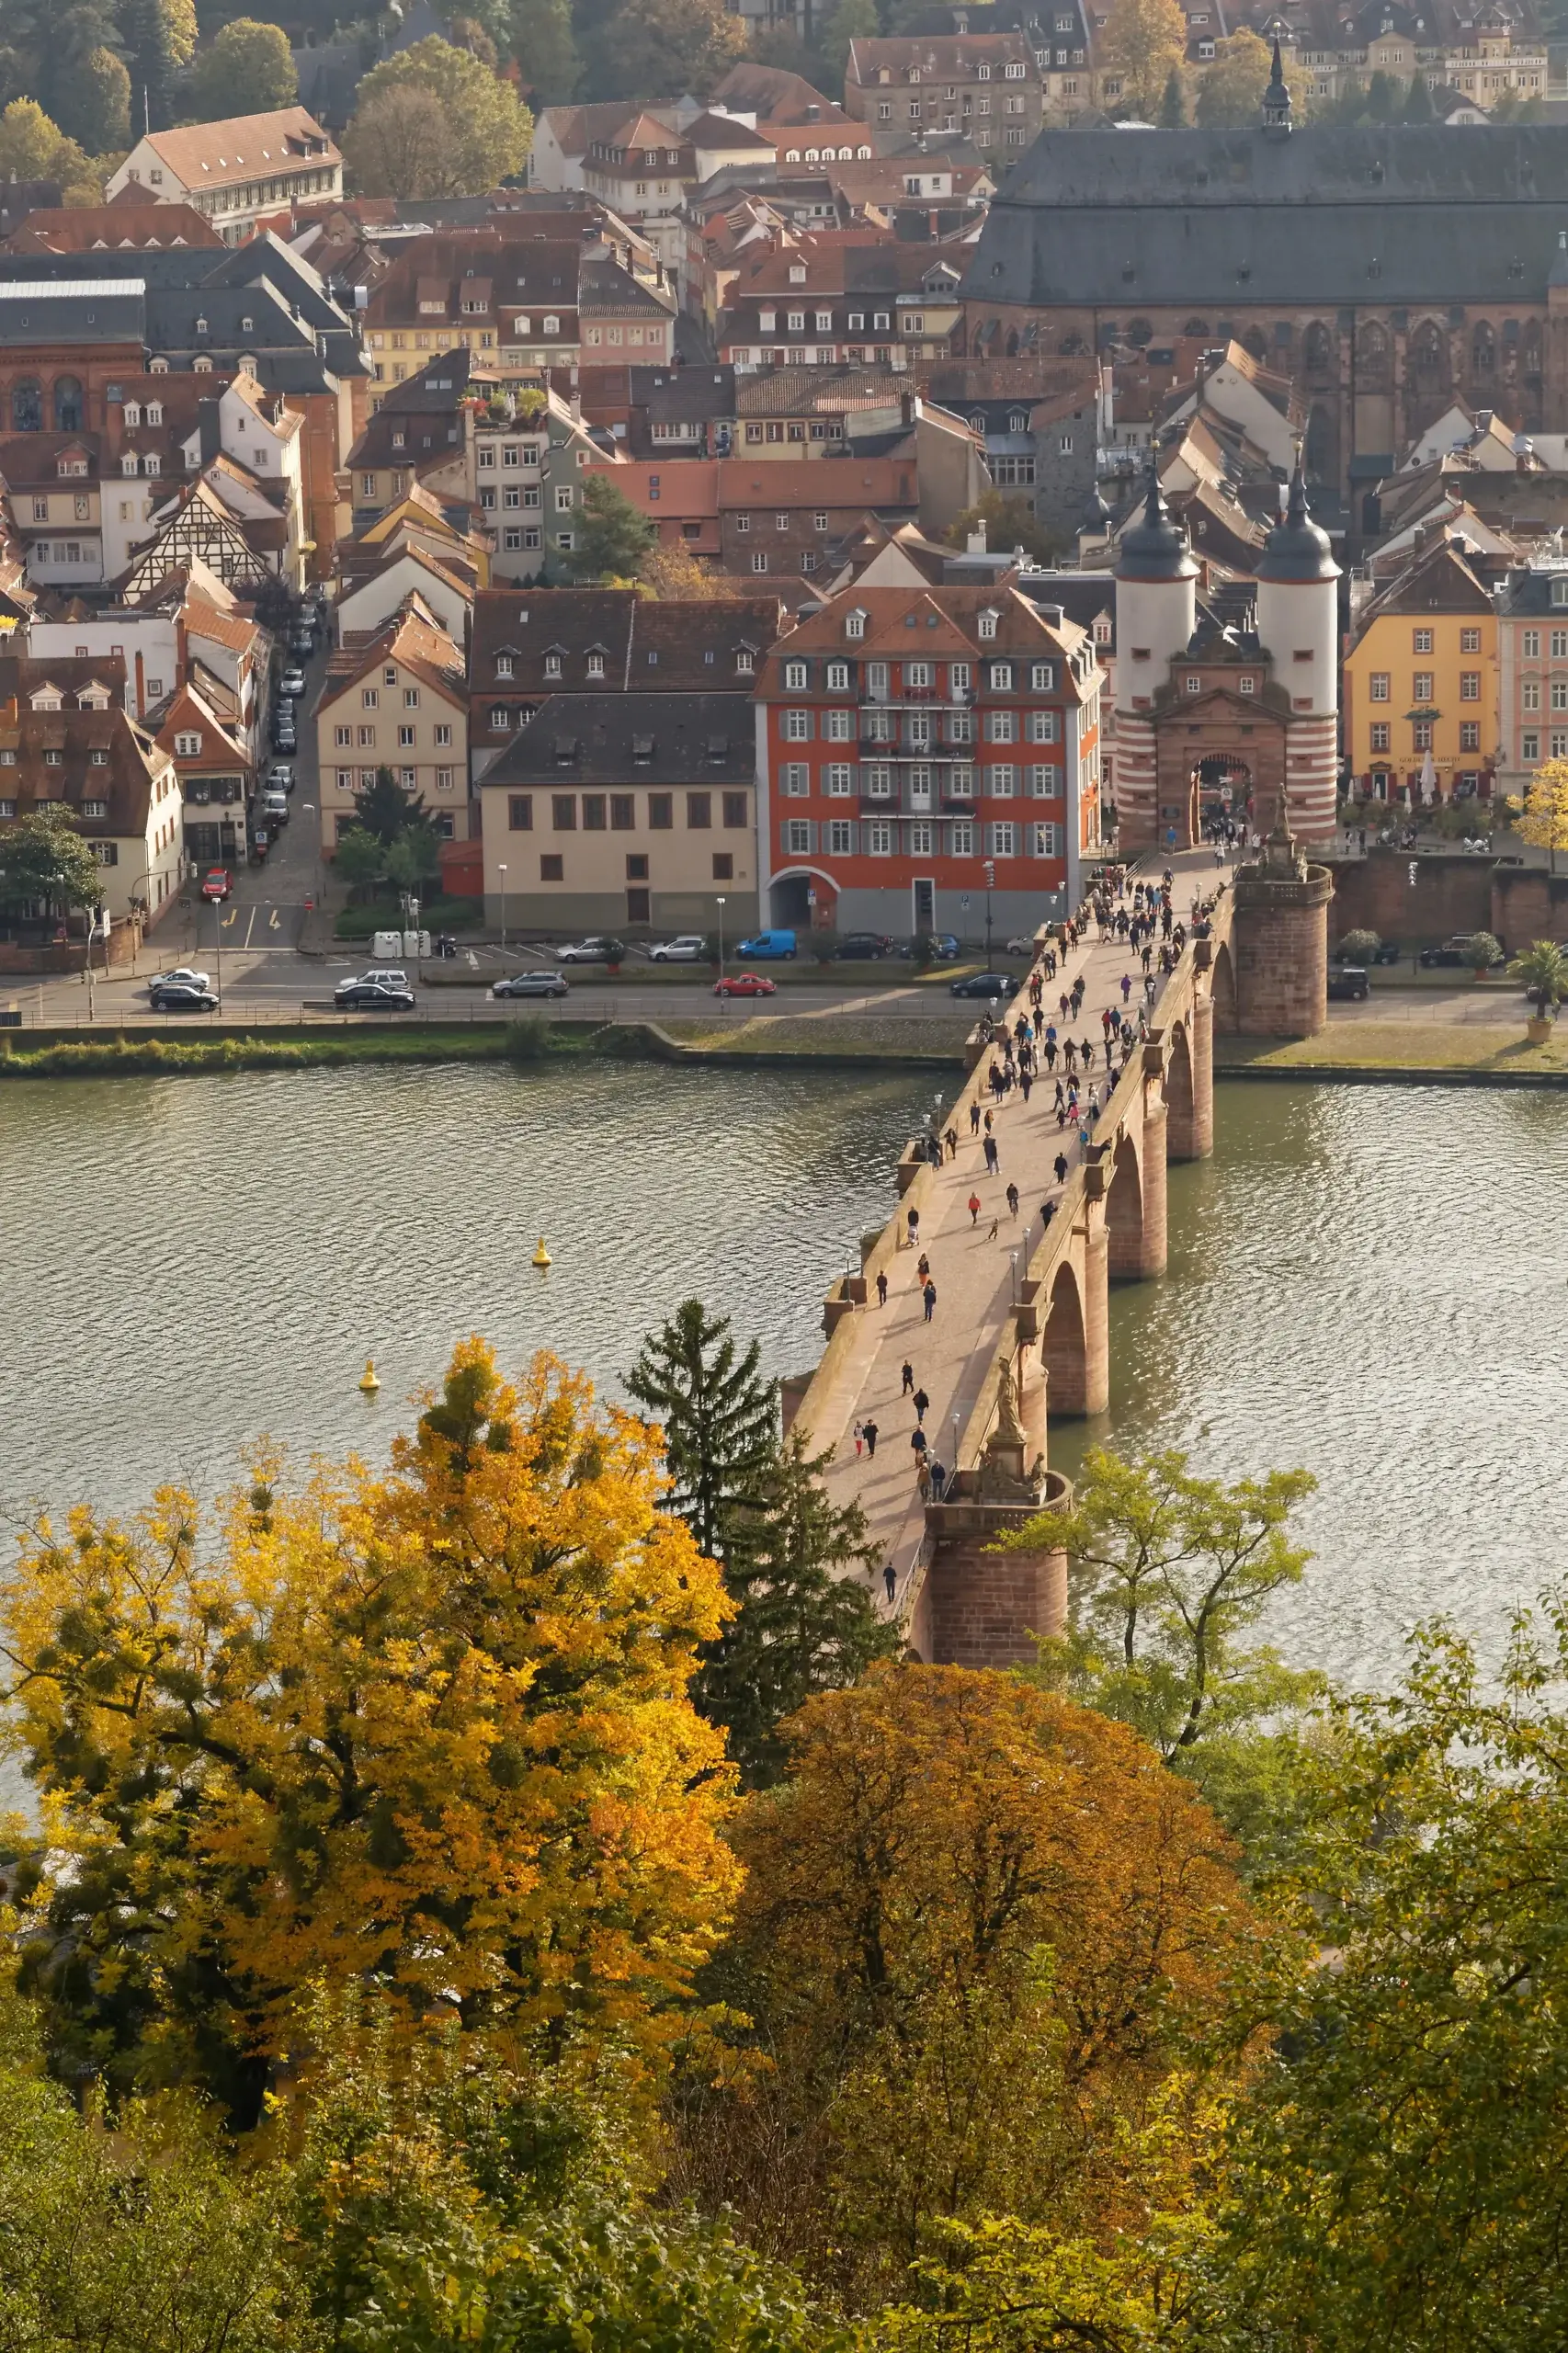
[
  {"x": 236, "y": 171},
  {"x": 400, "y": 702}
]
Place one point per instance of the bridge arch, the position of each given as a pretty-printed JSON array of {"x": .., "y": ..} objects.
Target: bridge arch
[
  {"x": 1064, "y": 1347},
  {"x": 1178, "y": 1085},
  {"x": 1222, "y": 986},
  {"x": 1124, "y": 1209}
]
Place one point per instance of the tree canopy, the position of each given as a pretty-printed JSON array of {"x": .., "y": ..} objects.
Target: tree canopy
[
  {"x": 612, "y": 536},
  {"x": 249, "y": 69},
  {"x": 434, "y": 120},
  {"x": 44, "y": 860},
  {"x": 1229, "y": 91},
  {"x": 1143, "y": 43},
  {"x": 430, "y": 1729}
]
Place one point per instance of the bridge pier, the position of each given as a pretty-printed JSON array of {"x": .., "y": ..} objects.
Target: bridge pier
[
  {"x": 1281, "y": 942},
  {"x": 1075, "y": 1352},
  {"x": 1156, "y": 1141},
  {"x": 1191, "y": 1130}
]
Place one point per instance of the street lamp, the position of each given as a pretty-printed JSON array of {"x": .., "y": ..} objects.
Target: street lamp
[
  {"x": 502, "y": 871},
  {"x": 990, "y": 886},
  {"x": 721, "y": 906}
]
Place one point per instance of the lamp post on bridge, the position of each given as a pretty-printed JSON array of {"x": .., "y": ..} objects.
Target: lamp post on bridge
[{"x": 990, "y": 886}]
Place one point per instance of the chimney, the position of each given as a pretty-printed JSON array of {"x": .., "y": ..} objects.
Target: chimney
[
  {"x": 906, "y": 407},
  {"x": 181, "y": 658}
]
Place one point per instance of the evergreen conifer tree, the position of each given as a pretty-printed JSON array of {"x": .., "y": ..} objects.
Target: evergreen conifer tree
[
  {"x": 758, "y": 1509},
  {"x": 1173, "y": 106},
  {"x": 721, "y": 1424}
]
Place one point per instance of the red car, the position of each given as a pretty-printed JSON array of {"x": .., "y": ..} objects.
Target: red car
[
  {"x": 745, "y": 984},
  {"x": 219, "y": 882}
]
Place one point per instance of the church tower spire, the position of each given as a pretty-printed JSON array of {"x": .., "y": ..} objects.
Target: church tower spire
[{"x": 1277, "y": 97}]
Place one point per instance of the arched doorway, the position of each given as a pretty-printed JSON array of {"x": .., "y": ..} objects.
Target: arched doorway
[
  {"x": 1222, "y": 794},
  {"x": 802, "y": 900}
]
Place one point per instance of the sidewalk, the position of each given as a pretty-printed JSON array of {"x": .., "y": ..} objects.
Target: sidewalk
[{"x": 975, "y": 1275}]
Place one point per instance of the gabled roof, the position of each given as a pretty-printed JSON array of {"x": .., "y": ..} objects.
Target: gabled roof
[
  {"x": 220, "y": 154},
  {"x": 691, "y": 739},
  {"x": 412, "y": 641}
]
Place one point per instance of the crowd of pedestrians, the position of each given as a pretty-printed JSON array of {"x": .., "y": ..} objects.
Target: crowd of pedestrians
[{"x": 1053, "y": 1041}]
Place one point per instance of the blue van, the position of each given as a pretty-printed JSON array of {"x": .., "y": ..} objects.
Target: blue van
[{"x": 769, "y": 943}]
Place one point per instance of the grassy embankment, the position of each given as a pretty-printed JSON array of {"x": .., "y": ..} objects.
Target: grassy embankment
[{"x": 1441, "y": 1050}]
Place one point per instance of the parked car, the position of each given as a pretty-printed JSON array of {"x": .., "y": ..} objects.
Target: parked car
[
  {"x": 745, "y": 984},
  {"x": 292, "y": 681},
  {"x": 532, "y": 984},
  {"x": 1454, "y": 950},
  {"x": 689, "y": 948},
  {"x": 769, "y": 943},
  {"x": 373, "y": 997},
  {"x": 379, "y": 976},
  {"x": 944, "y": 947},
  {"x": 992, "y": 984},
  {"x": 1388, "y": 951},
  {"x": 179, "y": 996},
  {"x": 1347, "y": 981},
  {"x": 180, "y": 976},
  {"x": 275, "y": 808},
  {"x": 1023, "y": 945},
  {"x": 281, "y": 776},
  {"x": 219, "y": 884},
  {"x": 863, "y": 946},
  {"x": 601, "y": 948},
  {"x": 284, "y": 739}
]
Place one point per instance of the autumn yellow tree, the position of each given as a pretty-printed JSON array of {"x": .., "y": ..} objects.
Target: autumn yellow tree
[
  {"x": 974, "y": 1918},
  {"x": 1144, "y": 44},
  {"x": 1229, "y": 91},
  {"x": 673, "y": 571},
  {"x": 426, "y": 1733},
  {"x": 1543, "y": 821}
]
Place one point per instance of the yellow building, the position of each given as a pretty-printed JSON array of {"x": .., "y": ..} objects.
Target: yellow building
[{"x": 1421, "y": 678}]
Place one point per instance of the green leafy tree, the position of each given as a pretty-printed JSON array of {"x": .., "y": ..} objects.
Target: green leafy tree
[
  {"x": 1418, "y": 105},
  {"x": 1482, "y": 951},
  {"x": 484, "y": 130},
  {"x": 1174, "y": 1572},
  {"x": 1008, "y": 519},
  {"x": 720, "y": 1420},
  {"x": 44, "y": 860},
  {"x": 413, "y": 860},
  {"x": 663, "y": 48},
  {"x": 1173, "y": 106},
  {"x": 851, "y": 20},
  {"x": 142, "y": 2238},
  {"x": 612, "y": 536},
  {"x": 545, "y": 50},
  {"x": 98, "y": 116},
  {"x": 360, "y": 861},
  {"x": 248, "y": 70},
  {"x": 1396, "y": 2173},
  {"x": 34, "y": 148},
  {"x": 806, "y": 1622},
  {"x": 1544, "y": 969}
]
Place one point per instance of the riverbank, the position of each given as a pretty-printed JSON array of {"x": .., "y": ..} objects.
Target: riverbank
[
  {"x": 1430, "y": 1054},
  {"x": 841, "y": 1044}
]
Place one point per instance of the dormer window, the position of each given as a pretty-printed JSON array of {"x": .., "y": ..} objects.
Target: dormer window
[
  {"x": 797, "y": 273},
  {"x": 129, "y": 464},
  {"x": 188, "y": 746},
  {"x": 855, "y": 624},
  {"x": 553, "y": 665},
  {"x": 746, "y": 664},
  {"x": 247, "y": 326},
  {"x": 596, "y": 666},
  {"x": 552, "y": 324},
  {"x": 1018, "y": 422},
  {"x": 154, "y": 412},
  {"x": 131, "y": 413},
  {"x": 988, "y": 624},
  {"x": 152, "y": 464},
  {"x": 502, "y": 665},
  {"x": 795, "y": 675}
]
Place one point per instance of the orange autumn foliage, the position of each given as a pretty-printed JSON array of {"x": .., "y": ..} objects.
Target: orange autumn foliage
[
  {"x": 976, "y": 1921},
  {"x": 425, "y": 1732}
]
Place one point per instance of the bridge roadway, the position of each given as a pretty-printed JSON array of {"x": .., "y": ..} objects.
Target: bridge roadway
[{"x": 981, "y": 1275}]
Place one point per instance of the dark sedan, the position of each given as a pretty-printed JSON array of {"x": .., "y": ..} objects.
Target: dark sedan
[
  {"x": 374, "y": 996},
  {"x": 181, "y": 997},
  {"x": 992, "y": 984}
]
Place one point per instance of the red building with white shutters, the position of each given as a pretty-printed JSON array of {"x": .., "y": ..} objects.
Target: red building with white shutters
[{"x": 918, "y": 746}]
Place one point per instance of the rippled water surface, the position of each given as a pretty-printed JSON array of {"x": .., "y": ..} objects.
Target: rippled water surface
[
  {"x": 1370, "y": 1281},
  {"x": 190, "y": 1261}
]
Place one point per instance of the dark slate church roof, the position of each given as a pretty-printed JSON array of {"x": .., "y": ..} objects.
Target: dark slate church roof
[{"x": 1318, "y": 217}]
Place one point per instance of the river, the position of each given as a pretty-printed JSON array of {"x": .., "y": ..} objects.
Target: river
[{"x": 1370, "y": 1281}]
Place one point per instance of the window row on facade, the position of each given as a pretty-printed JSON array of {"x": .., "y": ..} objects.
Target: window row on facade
[
  {"x": 877, "y": 680},
  {"x": 877, "y": 780},
  {"x": 1421, "y": 739},
  {"x": 919, "y": 838},
  {"x": 616, "y": 812},
  {"x": 1422, "y": 684}
]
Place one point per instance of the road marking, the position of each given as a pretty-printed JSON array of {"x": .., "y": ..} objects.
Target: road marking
[
  {"x": 229, "y": 921},
  {"x": 272, "y": 922},
  {"x": 250, "y": 927}
]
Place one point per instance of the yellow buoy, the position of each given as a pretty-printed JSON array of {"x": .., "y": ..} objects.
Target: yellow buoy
[
  {"x": 368, "y": 1381},
  {"x": 542, "y": 1255}
]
